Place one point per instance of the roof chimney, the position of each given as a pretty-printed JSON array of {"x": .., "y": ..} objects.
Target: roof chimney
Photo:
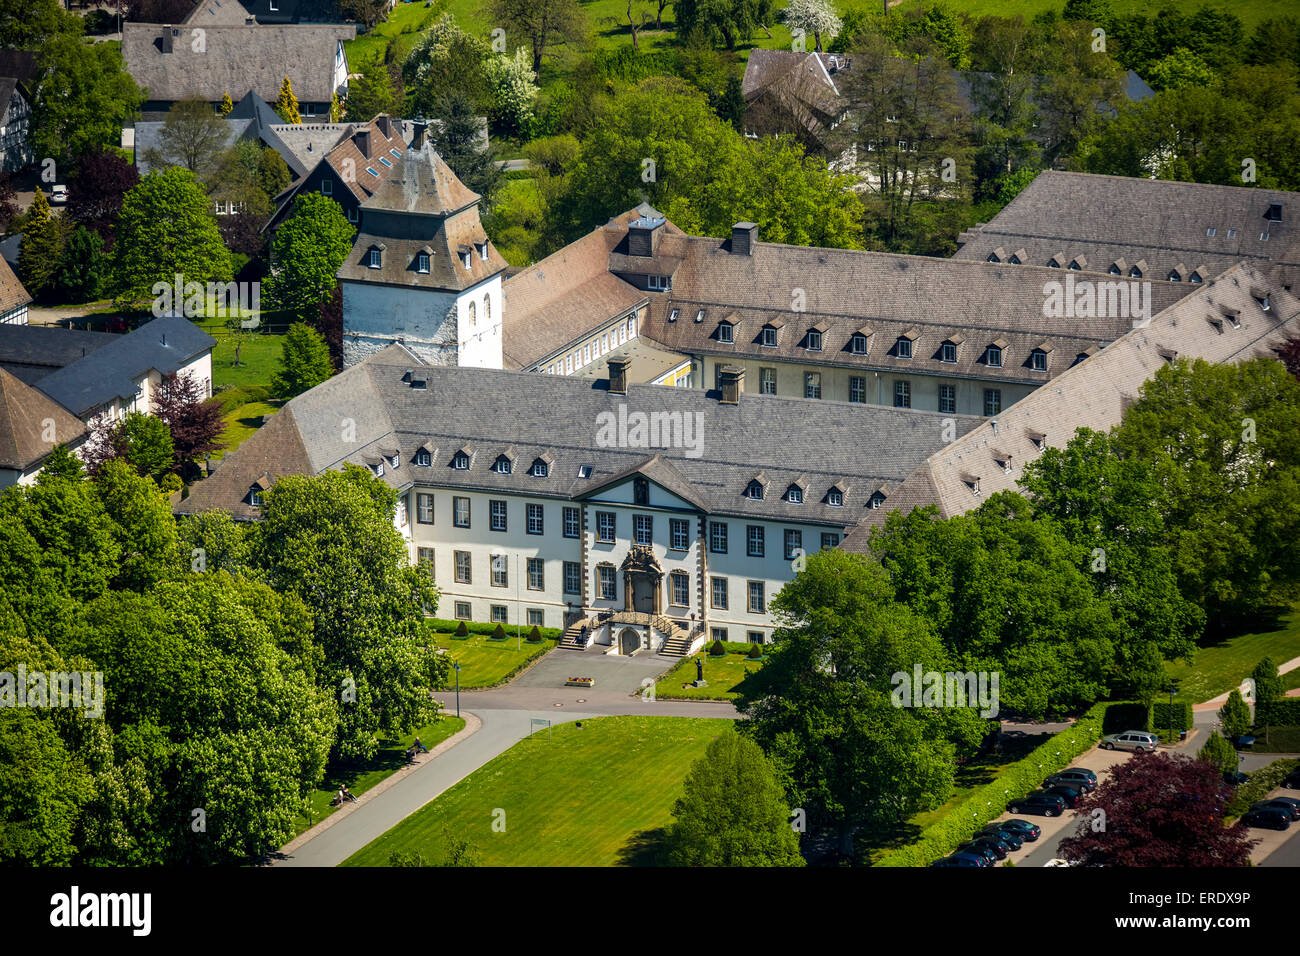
[
  {"x": 618, "y": 374},
  {"x": 744, "y": 236},
  {"x": 420, "y": 129},
  {"x": 362, "y": 139},
  {"x": 167, "y": 35},
  {"x": 732, "y": 380},
  {"x": 643, "y": 235},
  {"x": 1274, "y": 212},
  {"x": 384, "y": 130}
]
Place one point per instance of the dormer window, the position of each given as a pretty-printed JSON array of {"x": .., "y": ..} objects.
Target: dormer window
[
  {"x": 724, "y": 333},
  {"x": 1263, "y": 302},
  {"x": 835, "y": 498},
  {"x": 1195, "y": 278},
  {"x": 1053, "y": 264},
  {"x": 948, "y": 353},
  {"x": 327, "y": 187},
  {"x": 422, "y": 262},
  {"x": 502, "y": 465},
  {"x": 877, "y": 499},
  {"x": 903, "y": 347},
  {"x": 1114, "y": 269},
  {"x": 468, "y": 260},
  {"x": 754, "y": 490},
  {"x": 769, "y": 336},
  {"x": 540, "y": 469},
  {"x": 378, "y": 468},
  {"x": 814, "y": 340},
  {"x": 794, "y": 495},
  {"x": 640, "y": 491},
  {"x": 858, "y": 344},
  {"x": 1174, "y": 276},
  {"x": 483, "y": 252},
  {"x": 376, "y": 257},
  {"x": 993, "y": 257},
  {"x": 993, "y": 356},
  {"x": 659, "y": 283},
  {"x": 672, "y": 316},
  {"x": 423, "y": 459},
  {"x": 584, "y": 471},
  {"x": 395, "y": 460},
  {"x": 1038, "y": 360},
  {"x": 460, "y": 461},
  {"x": 1135, "y": 273},
  {"x": 255, "y": 498}
]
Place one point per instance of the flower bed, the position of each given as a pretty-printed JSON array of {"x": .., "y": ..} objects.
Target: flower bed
[{"x": 580, "y": 682}]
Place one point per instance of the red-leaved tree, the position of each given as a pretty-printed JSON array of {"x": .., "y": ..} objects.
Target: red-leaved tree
[
  {"x": 1289, "y": 353},
  {"x": 194, "y": 420},
  {"x": 330, "y": 325},
  {"x": 1158, "y": 810},
  {"x": 96, "y": 191}
]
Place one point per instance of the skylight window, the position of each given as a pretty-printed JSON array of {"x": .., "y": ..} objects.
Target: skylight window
[
  {"x": 372, "y": 172},
  {"x": 584, "y": 471},
  {"x": 386, "y": 161},
  {"x": 395, "y": 152}
]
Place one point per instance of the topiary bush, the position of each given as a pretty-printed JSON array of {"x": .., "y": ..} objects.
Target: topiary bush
[
  {"x": 716, "y": 649},
  {"x": 499, "y": 634},
  {"x": 755, "y": 652},
  {"x": 462, "y": 630},
  {"x": 535, "y": 635}
]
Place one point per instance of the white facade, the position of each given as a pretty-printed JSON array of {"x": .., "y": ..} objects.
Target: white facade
[
  {"x": 441, "y": 326},
  {"x": 146, "y": 385},
  {"x": 16, "y": 316}
]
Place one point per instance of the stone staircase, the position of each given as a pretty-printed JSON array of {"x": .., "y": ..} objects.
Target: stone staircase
[
  {"x": 677, "y": 640},
  {"x": 569, "y": 639}
]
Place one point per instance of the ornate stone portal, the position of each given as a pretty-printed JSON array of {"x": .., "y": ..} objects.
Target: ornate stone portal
[{"x": 641, "y": 579}]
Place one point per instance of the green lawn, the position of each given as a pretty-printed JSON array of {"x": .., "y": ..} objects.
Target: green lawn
[
  {"x": 1250, "y": 11},
  {"x": 572, "y": 796},
  {"x": 486, "y": 663},
  {"x": 403, "y": 26},
  {"x": 1221, "y": 664},
  {"x": 724, "y": 674},
  {"x": 359, "y": 779}
]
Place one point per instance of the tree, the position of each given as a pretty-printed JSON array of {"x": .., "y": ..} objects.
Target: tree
[
  {"x": 84, "y": 271},
  {"x": 370, "y": 94},
  {"x": 1234, "y": 716},
  {"x": 308, "y": 249},
  {"x": 513, "y": 90},
  {"x": 1078, "y": 83},
  {"x": 227, "y": 104},
  {"x": 61, "y": 465},
  {"x": 83, "y": 99},
  {"x": 733, "y": 812},
  {"x": 329, "y": 323},
  {"x": 330, "y": 540},
  {"x": 1219, "y": 753},
  {"x": 273, "y": 173},
  {"x": 26, "y": 24},
  {"x": 237, "y": 182},
  {"x": 8, "y": 208},
  {"x": 193, "y": 136},
  {"x": 457, "y": 136},
  {"x": 286, "y": 105},
  {"x": 812, "y": 16},
  {"x": 730, "y": 21},
  {"x": 304, "y": 362},
  {"x": 731, "y": 107},
  {"x": 368, "y": 12},
  {"x": 446, "y": 60},
  {"x": 546, "y": 23},
  {"x": 96, "y": 191},
  {"x": 167, "y": 228},
  {"x": 44, "y": 236},
  {"x": 1268, "y": 685},
  {"x": 1162, "y": 810},
  {"x": 1289, "y": 354},
  {"x": 1181, "y": 68},
  {"x": 141, "y": 440},
  {"x": 194, "y": 420}
]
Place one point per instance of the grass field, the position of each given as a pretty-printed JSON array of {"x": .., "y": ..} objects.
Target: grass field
[
  {"x": 574, "y": 796},
  {"x": 1221, "y": 665},
  {"x": 725, "y": 674},
  {"x": 359, "y": 779},
  {"x": 486, "y": 663},
  {"x": 1251, "y": 12}
]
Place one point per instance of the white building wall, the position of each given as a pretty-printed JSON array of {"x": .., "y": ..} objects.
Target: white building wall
[
  {"x": 375, "y": 316},
  {"x": 478, "y": 311}
]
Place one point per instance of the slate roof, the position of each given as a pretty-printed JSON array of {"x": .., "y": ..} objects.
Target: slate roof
[
  {"x": 491, "y": 411},
  {"x": 307, "y": 143},
  {"x": 19, "y": 64},
  {"x": 765, "y": 67},
  {"x": 237, "y": 55},
  {"x": 1164, "y": 223},
  {"x": 25, "y": 414},
  {"x": 163, "y": 345},
  {"x": 32, "y": 352},
  {"x": 1095, "y": 393},
  {"x": 12, "y": 292}
]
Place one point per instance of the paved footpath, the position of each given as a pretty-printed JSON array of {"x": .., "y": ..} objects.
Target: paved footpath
[{"x": 504, "y": 716}]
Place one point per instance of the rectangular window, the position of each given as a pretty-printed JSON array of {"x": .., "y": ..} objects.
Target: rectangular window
[
  {"x": 830, "y": 540},
  {"x": 793, "y": 542},
  {"x": 724, "y": 334},
  {"x": 814, "y": 341},
  {"x": 903, "y": 348},
  {"x": 327, "y": 187},
  {"x": 719, "y": 634},
  {"x": 572, "y": 523},
  {"x": 605, "y": 527},
  {"x": 719, "y": 596},
  {"x": 992, "y": 401},
  {"x": 572, "y": 577},
  {"x": 500, "y": 571},
  {"x": 756, "y": 538},
  {"x": 536, "y": 576},
  {"x": 462, "y": 611},
  {"x": 947, "y": 398},
  {"x": 949, "y": 353},
  {"x": 463, "y": 575},
  {"x": 642, "y": 529},
  {"x": 679, "y": 534},
  {"x": 605, "y": 582},
  {"x": 902, "y": 394},
  {"x": 1040, "y": 360},
  {"x": 497, "y": 515},
  {"x": 769, "y": 336},
  {"x": 681, "y": 588},
  {"x": 757, "y": 637},
  {"x": 534, "y": 617},
  {"x": 994, "y": 356},
  {"x": 499, "y": 615},
  {"x": 460, "y": 512},
  {"x": 535, "y": 519},
  {"x": 426, "y": 560},
  {"x": 424, "y": 508},
  {"x": 857, "y": 389},
  {"x": 757, "y": 605},
  {"x": 812, "y": 384},
  {"x": 718, "y": 537},
  {"x": 767, "y": 381}
]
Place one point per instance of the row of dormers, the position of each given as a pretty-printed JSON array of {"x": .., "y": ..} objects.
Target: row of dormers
[
  {"x": 796, "y": 492},
  {"x": 423, "y": 257},
  {"x": 1120, "y": 267}
]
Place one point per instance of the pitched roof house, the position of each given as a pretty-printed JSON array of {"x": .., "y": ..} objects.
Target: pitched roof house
[
  {"x": 31, "y": 424},
  {"x": 14, "y": 299}
]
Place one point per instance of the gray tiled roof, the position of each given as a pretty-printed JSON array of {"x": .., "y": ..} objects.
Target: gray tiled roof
[
  {"x": 12, "y": 293},
  {"x": 24, "y": 415},
  {"x": 165, "y": 345},
  {"x": 492, "y": 411},
  {"x": 32, "y": 352}
]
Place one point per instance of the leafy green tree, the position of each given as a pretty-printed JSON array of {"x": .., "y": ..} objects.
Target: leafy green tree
[
  {"x": 370, "y": 94},
  {"x": 544, "y": 23},
  {"x": 61, "y": 465},
  {"x": 456, "y": 137},
  {"x": 273, "y": 173},
  {"x": 304, "y": 362},
  {"x": 167, "y": 227},
  {"x": 1220, "y": 753},
  {"x": 1181, "y": 68},
  {"x": 1268, "y": 685},
  {"x": 26, "y": 24},
  {"x": 44, "y": 238},
  {"x": 331, "y": 541},
  {"x": 813, "y": 17},
  {"x": 142, "y": 441},
  {"x": 731, "y": 106},
  {"x": 308, "y": 249},
  {"x": 1234, "y": 716},
  {"x": 84, "y": 97},
  {"x": 513, "y": 90},
  {"x": 213, "y": 541},
  {"x": 728, "y": 21},
  {"x": 733, "y": 812},
  {"x": 1275, "y": 40},
  {"x": 193, "y": 136},
  {"x": 1078, "y": 83},
  {"x": 85, "y": 270},
  {"x": 446, "y": 60},
  {"x": 141, "y": 519}
]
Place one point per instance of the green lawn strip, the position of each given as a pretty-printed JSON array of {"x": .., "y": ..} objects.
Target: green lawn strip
[
  {"x": 487, "y": 663},
  {"x": 568, "y": 796},
  {"x": 724, "y": 674},
  {"x": 242, "y": 422},
  {"x": 1221, "y": 664},
  {"x": 1250, "y": 11},
  {"x": 359, "y": 779}
]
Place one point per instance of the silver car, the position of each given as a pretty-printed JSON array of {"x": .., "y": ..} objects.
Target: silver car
[{"x": 1138, "y": 741}]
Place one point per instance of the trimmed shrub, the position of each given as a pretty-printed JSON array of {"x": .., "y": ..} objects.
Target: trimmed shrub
[
  {"x": 755, "y": 652},
  {"x": 499, "y": 634},
  {"x": 450, "y": 627},
  {"x": 462, "y": 630},
  {"x": 1126, "y": 716},
  {"x": 716, "y": 649},
  {"x": 1278, "y": 712},
  {"x": 1219, "y": 752},
  {"x": 535, "y": 635},
  {"x": 1182, "y": 715},
  {"x": 1258, "y": 786}
]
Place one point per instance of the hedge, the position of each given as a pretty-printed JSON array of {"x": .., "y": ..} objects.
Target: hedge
[
  {"x": 450, "y": 627},
  {"x": 1278, "y": 712},
  {"x": 1182, "y": 714},
  {"x": 1021, "y": 778},
  {"x": 1259, "y": 785}
]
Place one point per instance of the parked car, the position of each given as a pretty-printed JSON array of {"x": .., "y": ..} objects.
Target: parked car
[
  {"x": 58, "y": 195},
  {"x": 1289, "y": 804},
  {"x": 961, "y": 859},
  {"x": 1029, "y": 832},
  {"x": 1012, "y": 839},
  {"x": 1139, "y": 741},
  {"x": 1268, "y": 817},
  {"x": 999, "y": 846},
  {"x": 1235, "y": 778},
  {"x": 1068, "y": 794},
  {"x": 1292, "y": 781},
  {"x": 1048, "y": 804},
  {"x": 1085, "y": 781},
  {"x": 988, "y": 853}
]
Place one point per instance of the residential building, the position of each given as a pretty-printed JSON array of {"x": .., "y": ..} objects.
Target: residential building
[
  {"x": 15, "y": 125},
  {"x": 14, "y": 299},
  {"x": 31, "y": 424}
]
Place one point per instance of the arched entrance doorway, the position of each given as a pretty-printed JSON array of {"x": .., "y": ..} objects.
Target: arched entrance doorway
[
  {"x": 641, "y": 577},
  {"x": 629, "y": 641}
]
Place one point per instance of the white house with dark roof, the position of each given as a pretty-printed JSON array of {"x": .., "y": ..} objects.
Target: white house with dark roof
[{"x": 14, "y": 298}]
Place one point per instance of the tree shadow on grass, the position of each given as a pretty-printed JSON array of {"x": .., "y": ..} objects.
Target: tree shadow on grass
[{"x": 645, "y": 848}]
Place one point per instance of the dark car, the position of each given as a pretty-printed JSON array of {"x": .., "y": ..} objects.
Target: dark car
[
  {"x": 988, "y": 853},
  {"x": 1029, "y": 832},
  {"x": 999, "y": 846},
  {"x": 1292, "y": 782},
  {"x": 1012, "y": 839},
  {"x": 1085, "y": 781},
  {"x": 1269, "y": 817},
  {"x": 1048, "y": 804},
  {"x": 961, "y": 859},
  {"x": 1235, "y": 778},
  {"x": 1289, "y": 804},
  {"x": 1068, "y": 794}
]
